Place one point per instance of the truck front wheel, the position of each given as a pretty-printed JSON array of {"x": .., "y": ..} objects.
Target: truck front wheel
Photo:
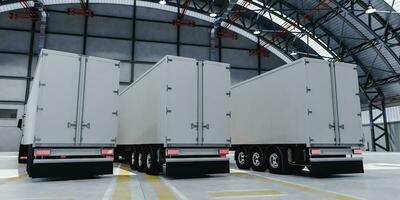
[
  {"x": 242, "y": 158},
  {"x": 277, "y": 160}
]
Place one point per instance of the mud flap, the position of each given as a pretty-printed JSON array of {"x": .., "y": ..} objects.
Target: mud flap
[
  {"x": 81, "y": 169},
  {"x": 336, "y": 167},
  {"x": 189, "y": 168}
]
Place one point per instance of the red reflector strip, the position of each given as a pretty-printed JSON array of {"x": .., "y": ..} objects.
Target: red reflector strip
[
  {"x": 172, "y": 151},
  {"x": 42, "y": 152},
  {"x": 315, "y": 152},
  {"x": 357, "y": 151},
  {"x": 223, "y": 151},
  {"x": 112, "y": 157},
  {"x": 107, "y": 151},
  {"x": 23, "y": 158}
]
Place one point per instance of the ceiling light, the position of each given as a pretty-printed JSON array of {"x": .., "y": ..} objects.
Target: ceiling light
[
  {"x": 162, "y": 2},
  {"x": 293, "y": 53},
  {"x": 370, "y": 9},
  {"x": 257, "y": 32},
  {"x": 213, "y": 14}
]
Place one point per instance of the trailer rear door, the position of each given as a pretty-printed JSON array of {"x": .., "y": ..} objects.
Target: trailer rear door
[
  {"x": 349, "y": 110},
  {"x": 57, "y": 102},
  {"x": 100, "y": 111},
  {"x": 182, "y": 106},
  {"x": 216, "y": 87},
  {"x": 319, "y": 108}
]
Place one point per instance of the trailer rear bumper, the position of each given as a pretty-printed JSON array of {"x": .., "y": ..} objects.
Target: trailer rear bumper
[
  {"x": 70, "y": 169},
  {"x": 320, "y": 166},
  {"x": 196, "y": 166}
]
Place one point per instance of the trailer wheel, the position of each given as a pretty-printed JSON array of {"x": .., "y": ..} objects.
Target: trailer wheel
[
  {"x": 152, "y": 166},
  {"x": 133, "y": 159},
  {"x": 141, "y": 160},
  {"x": 258, "y": 160},
  {"x": 242, "y": 158},
  {"x": 277, "y": 160}
]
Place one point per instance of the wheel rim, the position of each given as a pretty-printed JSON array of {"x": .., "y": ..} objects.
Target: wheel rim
[
  {"x": 140, "y": 159},
  {"x": 274, "y": 160},
  {"x": 256, "y": 159},
  {"x": 133, "y": 158},
  {"x": 148, "y": 161},
  {"x": 241, "y": 158}
]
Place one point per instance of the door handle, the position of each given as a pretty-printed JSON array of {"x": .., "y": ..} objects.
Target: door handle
[
  {"x": 207, "y": 126},
  {"x": 87, "y": 125},
  {"x": 341, "y": 126},
  {"x": 332, "y": 126},
  {"x": 69, "y": 125}
]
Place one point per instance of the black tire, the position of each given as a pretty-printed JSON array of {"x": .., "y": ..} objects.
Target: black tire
[
  {"x": 133, "y": 159},
  {"x": 277, "y": 160},
  {"x": 258, "y": 160},
  {"x": 152, "y": 166},
  {"x": 242, "y": 158},
  {"x": 141, "y": 159}
]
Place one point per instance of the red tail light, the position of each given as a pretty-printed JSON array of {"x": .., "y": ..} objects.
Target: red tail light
[
  {"x": 107, "y": 152},
  {"x": 315, "y": 152},
  {"x": 23, "y": 158},
  {"x": 42, "y": 152},
  {"x": 223, "y": 152},
  {"x": 172, "y": 152},
  {"x": 357, "y": 151}
]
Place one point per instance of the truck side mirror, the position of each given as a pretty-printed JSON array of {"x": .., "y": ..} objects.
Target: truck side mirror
[{"x": 19, "y": 124}]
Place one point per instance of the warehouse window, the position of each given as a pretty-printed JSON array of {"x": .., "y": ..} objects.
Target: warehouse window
[
  {"x": 8, "y": 113},
  {"x": 392, "y": 115}
]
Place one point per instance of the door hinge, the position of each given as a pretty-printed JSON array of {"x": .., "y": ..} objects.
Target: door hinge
[
  {"x": 39, "y": 109},
  {"x": 168, "y": 88},
  {"x": 116, "y": 91},
  {"x": 309, "y": 112},
  {"x": 115, "y": 113},
  {"x": 332, "y": 126},
  {"x": 228, "y": 93},
  {"x": 36, "y": 139},
  {"x": 311, "y": 140},
  {"x": 207, "y": 126},
  {"x": 169, "y": 60},
  {"x": 167, "y": 139},
  {"x": 308, "y": 89},
  {"x": 114, "y": 139},
  {"x": 117, "y": 65},
  {"x": 87, "y": 125},
  {"x": 229, "y": 114},
  {"x": 229, "y": 140},
  {"x": 341, "y": 126},
  {"x": 69, "y": 125},
  {"x": 194, "y": 125},
  {"x": 306, "y": 61},
  {"x": 42, "y": 84},
  {"x": 167, "y": 110},
  {"x": 359, "y": 114},
  {"x": 45, "y": 54}
]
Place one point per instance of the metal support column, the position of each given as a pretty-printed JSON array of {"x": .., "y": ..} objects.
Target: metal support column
[
  {"x": 133, "y": 42},
  {"x": 30, "y": 60},
  {"x": 85, "y": 29},
  {"x": 178, "y": 30},
  {"x": 258, "y": 56},
  {"x": 377, "y": 103}
]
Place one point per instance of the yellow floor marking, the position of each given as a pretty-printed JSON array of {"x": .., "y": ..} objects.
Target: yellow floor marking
[
  {"x": 296, "y": 186},
  {"x": 123, "y": 187},
  {"x": 163, "y": 191},
  {"x": 245, "y": 193},
  {"x": 7, "y": 180}
]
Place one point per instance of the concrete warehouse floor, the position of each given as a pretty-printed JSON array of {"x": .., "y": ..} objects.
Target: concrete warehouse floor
[{"x": 380, "y": 181}]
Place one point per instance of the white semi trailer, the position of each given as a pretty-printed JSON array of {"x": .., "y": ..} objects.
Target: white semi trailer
[
  {"x": 71, "y": 118},
  {"x": 177, "y": 114},
  {"x": 306, "y": 113}
]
